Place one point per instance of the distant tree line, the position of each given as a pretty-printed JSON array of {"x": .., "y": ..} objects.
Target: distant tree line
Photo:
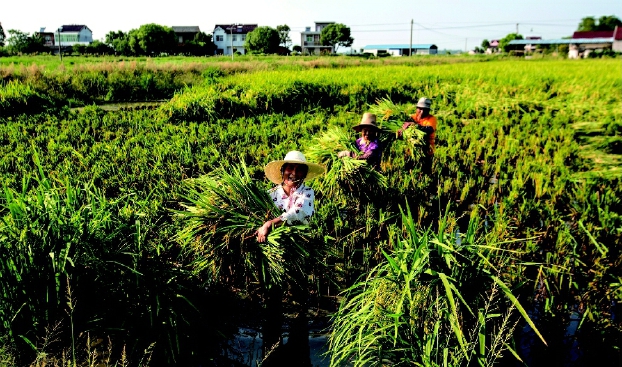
[
  {"x": 155, "y": 40},
  {"x": 149, "y": 39},
  {"x": 268, "y": 40},
  {"x": 604, "y": 23}
]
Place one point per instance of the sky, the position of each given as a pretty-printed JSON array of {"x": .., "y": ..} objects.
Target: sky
[{"x": 449, "y": 24}]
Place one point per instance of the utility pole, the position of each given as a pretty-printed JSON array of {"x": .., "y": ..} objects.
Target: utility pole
[
  {"x": 232, "y": 25},
  {"x": 410, "y": 51},
  {"x": 60, "y": 52},
  {"x": 516, "y": 28},
  {"x": 465, "y": 45}
]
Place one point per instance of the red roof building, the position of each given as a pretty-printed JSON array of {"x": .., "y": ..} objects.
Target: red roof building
[{"x": 615, "y": 34}]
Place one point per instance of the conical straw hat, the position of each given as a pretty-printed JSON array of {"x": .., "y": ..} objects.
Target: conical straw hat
[
  {"x": 368, "y": 120},
  {"x": 273, "y": 169}
]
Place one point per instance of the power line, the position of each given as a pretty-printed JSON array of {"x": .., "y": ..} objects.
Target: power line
[{"x": 462, "y": 27}]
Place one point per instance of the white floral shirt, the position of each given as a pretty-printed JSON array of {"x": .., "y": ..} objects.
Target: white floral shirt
[{"x": 297, "y": 208}]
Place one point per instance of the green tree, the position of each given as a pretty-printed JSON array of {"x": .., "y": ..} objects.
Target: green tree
[
  {"x": 98, "y": 48},
  {"x": 119, "y": 42},
  {"x": 2, "y": 36},
  {"x": 20, "y": 42},
  {"x": 297, "y": 48},
  {"x": 336, "y": 35},
  {"x": 152, "y": 39},
  {"x": 503, "y": 43},
  {"x": 604, "y": 23},
  {"x": 284, "y": 30},
  {"x": 78, "y": 48},
  {"x": 262, "y": 40},
  {"x": 608, "y": 23},
  {"x": 485, "y": 44},
  {"x": 587, "y": 24},
  {"x": 201, "y": 45}
]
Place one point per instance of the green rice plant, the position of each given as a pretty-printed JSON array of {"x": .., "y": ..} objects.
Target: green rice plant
[
  {"x": 18, "y": 98},
  {"x": 347, "y": 180},
  {"x": 391, "y": 115},
  {"x": 7, "y": 359},
  {"x": 433, "y": 302},
  {"x": 224, "y": 210},
  {"x": 530, "y": 142}
]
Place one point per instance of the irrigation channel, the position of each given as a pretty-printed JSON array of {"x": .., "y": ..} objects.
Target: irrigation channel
[{"x": 248, "y": 347}]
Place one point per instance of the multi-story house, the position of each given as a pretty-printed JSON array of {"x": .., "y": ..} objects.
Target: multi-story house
[
  {"x": 75, "y": 34},
  {"x": 185, "y": 34},
  {"x": 230, "y": 38},
  {"x": 48, "y": 37},
  {"x": 310, "y": 39}
]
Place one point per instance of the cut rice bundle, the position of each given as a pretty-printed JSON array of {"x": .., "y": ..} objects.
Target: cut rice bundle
[
  {"x": 346, "y": 178},
  {"x": 225, "y": 209},
  {"x": 391, "y": 118}
]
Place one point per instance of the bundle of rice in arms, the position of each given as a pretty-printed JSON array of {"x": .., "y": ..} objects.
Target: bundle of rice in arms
[
  {"x": 224, "y": 210},
  {"x": 392, "y": 117},
  {"x": 346, "y": 178}
]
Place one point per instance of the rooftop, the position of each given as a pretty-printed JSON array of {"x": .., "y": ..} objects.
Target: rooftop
[
  {"x": 73, "y": 28},
  {"x": 237, "y": 28},
  {"x": 186, "y": 29},
  {"x": 616, "y": 34},
  {"x": 562, "y": 41}
]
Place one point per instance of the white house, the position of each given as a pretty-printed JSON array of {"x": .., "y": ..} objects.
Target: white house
[
  {"x": 310, "y": 39},
  {"x": 402, "y": 49},
  {"x": 230, "y": 38},
  {"x": 75, "y": 34}
]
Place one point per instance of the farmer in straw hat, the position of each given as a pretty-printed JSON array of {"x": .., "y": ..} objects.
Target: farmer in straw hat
[
  {"x": 295, "y": 199},
  {"x": 425, "y": 122},
  {"x": 291, "y": 195},
  {"x": 368, "y": 144}
]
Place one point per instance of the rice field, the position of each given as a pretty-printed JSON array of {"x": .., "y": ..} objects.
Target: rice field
[{"x": 509, "y": 250}]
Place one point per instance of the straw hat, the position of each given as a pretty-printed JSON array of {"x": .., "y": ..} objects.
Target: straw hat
[
  {"x": 368, "y": 120},
  {"x": 273, "y": 169},
  {"x": 424, "y": 103}
]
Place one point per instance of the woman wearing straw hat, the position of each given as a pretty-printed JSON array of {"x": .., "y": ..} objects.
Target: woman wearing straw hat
[
  {"x": 295, "y": 199},
  {"x": 368, "y": 144},
  {"x": 291, "y": 195}
]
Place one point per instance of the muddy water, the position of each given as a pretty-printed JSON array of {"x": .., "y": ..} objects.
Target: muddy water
[
  {"x": 247, "y": 346},
  {"x": 116, "y": 106}
]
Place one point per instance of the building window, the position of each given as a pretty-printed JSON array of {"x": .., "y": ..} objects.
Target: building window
[
  {"x": 309, "y": 38},
  {"x": 219, "y": 38},
  {"x": 234, "y": 37},
  {"x": 181, "y": 39},
  {"x": 243, "y": 37}
]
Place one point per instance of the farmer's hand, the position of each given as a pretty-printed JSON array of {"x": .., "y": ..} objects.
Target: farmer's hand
[
  {"x": 418, "y": 114},
  {"x": 263, "y": 231},
  {"x": 343, "y": 153}
]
